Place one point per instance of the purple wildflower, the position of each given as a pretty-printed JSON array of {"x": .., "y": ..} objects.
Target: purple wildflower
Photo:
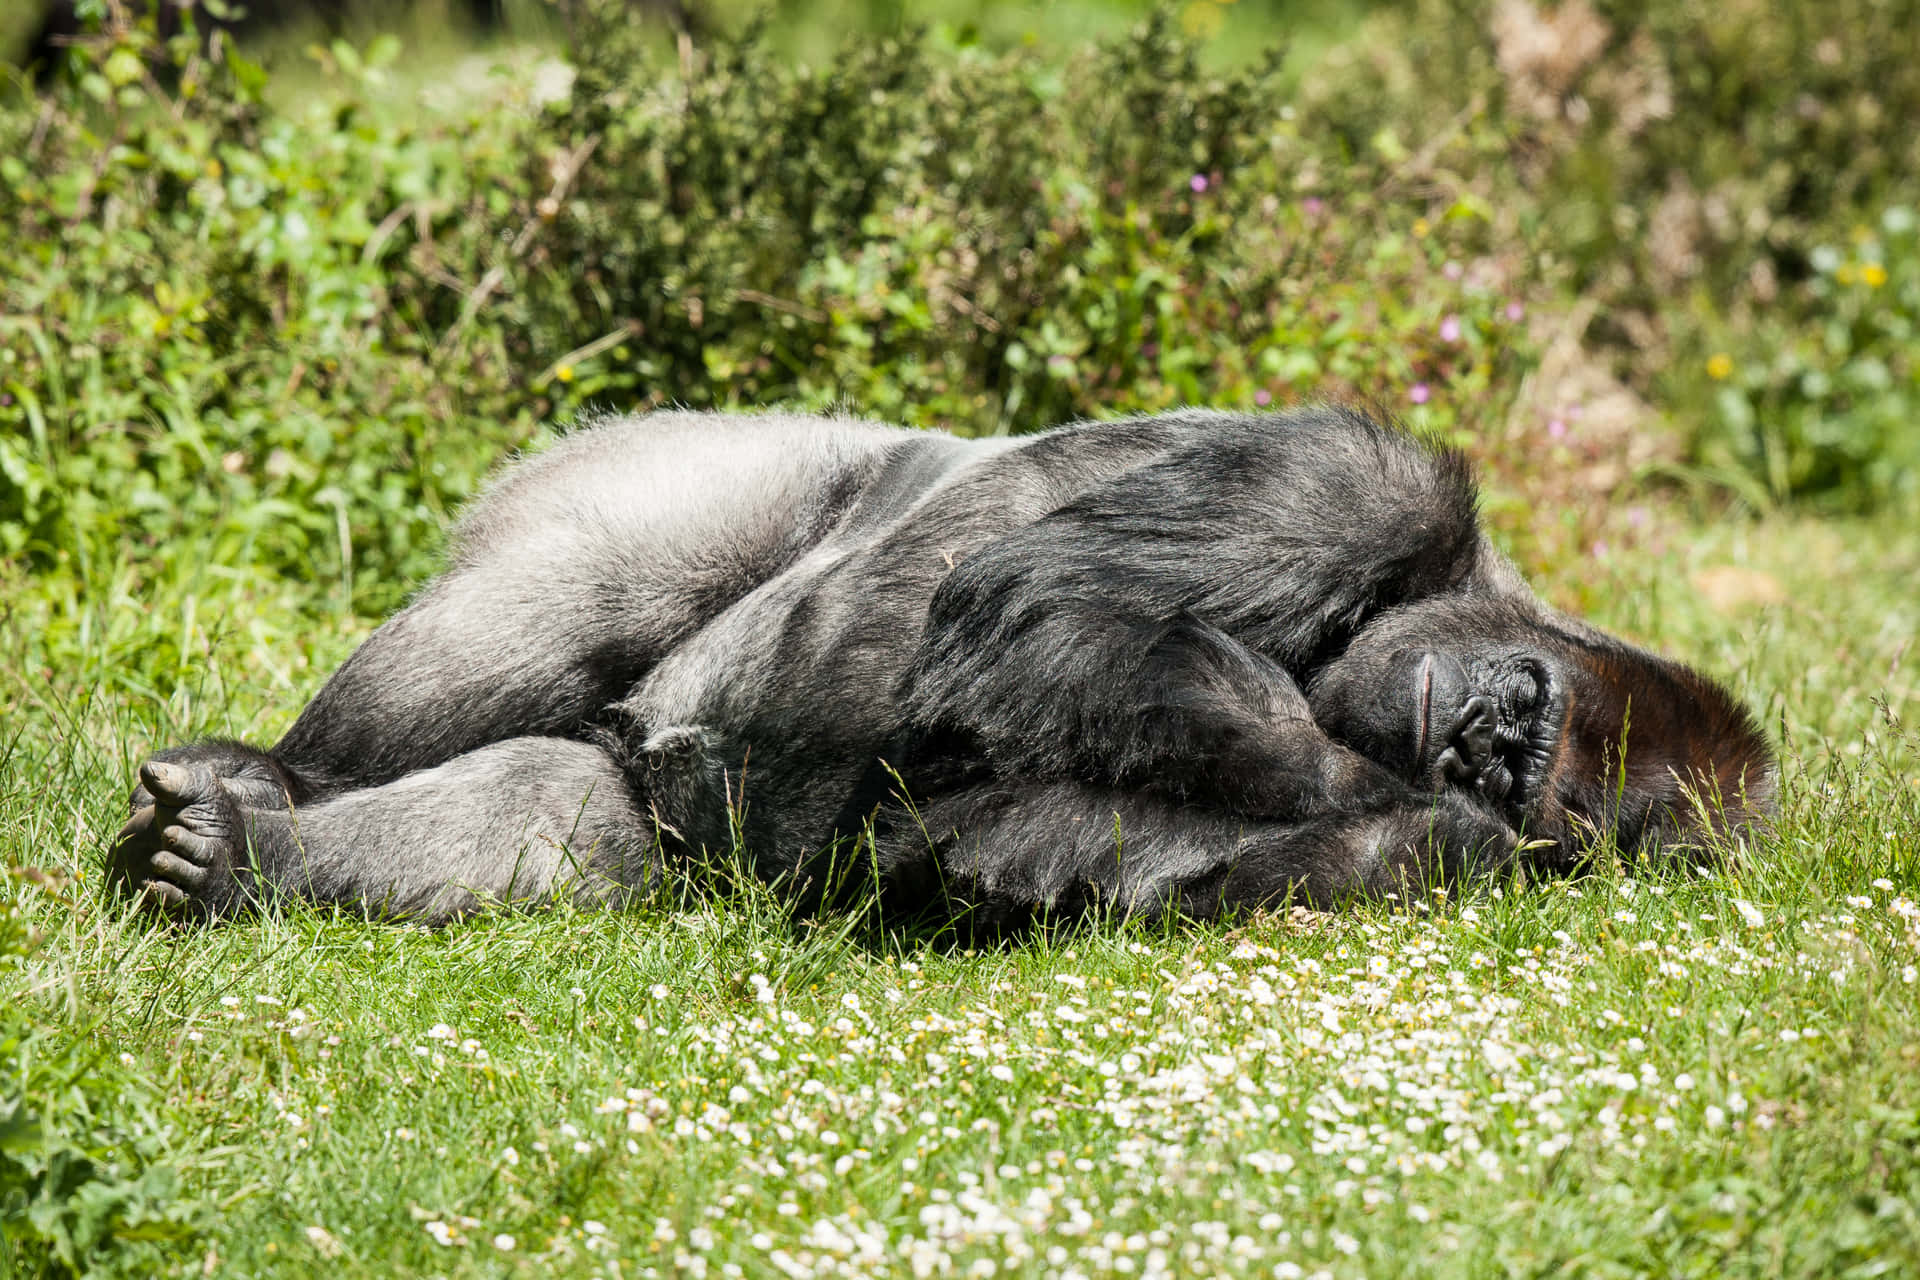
[
  {"x": 1556, "y": 429},
  {"x": 1198, "y": 182},
  {"x": 1450, "y": 329},
  {"x": 1515, "y": 311},
  {"x": 1263, "y": 397},
  {"x": 1314, "y": 206},
  {"x": 1421, "y": 393}
]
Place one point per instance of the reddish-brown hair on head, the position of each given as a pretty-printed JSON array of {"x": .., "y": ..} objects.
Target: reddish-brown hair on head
[{"x": 1656, "y": 753}]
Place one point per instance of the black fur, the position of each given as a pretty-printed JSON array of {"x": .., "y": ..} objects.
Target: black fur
[{"x": 1196, "y": 662}]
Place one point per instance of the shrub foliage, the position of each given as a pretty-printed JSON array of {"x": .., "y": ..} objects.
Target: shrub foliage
[
  {"x": 311, "y": 329},
  {"x": 1707, "y": 175}
]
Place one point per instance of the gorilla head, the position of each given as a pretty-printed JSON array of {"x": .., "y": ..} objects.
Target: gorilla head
[{"x": 1560, "y": 730}]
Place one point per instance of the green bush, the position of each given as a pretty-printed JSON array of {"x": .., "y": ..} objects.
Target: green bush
[
  {"x": 1824, "y": 402},
  {"x": 304, "y": 334},
  {"x": 988, "y": 243},
  {"x": 218, "y": 318},
  {"x": 1678, "y": 165}
]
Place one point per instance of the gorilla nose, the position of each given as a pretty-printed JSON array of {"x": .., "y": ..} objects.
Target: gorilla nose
[
  {"x": 1469, "y": 747},
  {"x": 1441, "y": 699}
]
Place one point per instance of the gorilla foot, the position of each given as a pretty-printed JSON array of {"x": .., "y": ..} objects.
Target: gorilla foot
[
  {"x": 185, "y": 849},
  {"x": 250, "y": 775}
]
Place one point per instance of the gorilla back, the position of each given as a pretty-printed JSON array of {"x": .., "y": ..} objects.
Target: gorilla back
[{"x": 1194, "y": 662}]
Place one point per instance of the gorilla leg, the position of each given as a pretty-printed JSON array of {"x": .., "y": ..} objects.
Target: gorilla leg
[
  {"x": 490, "y": 652},
  {"x": 523, "y": 636},
  {"x": 479, "y": 658},
  {"x": 576, "y": 573},
  {"x": 528, "y": 819},
  {"x": 1009, "y": 852}
]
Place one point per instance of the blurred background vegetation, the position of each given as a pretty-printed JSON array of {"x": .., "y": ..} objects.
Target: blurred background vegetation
[{"x": 296, "y": 293}]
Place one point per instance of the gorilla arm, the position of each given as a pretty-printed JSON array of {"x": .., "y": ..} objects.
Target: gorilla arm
[
  {"x": 1141, "y": 635},
  {"x": 1005, "y": 853},
  {"x": 1175, "y": 707}
]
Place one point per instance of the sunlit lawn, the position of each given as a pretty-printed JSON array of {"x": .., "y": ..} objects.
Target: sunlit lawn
[{"x": 1645, "y": 1071}]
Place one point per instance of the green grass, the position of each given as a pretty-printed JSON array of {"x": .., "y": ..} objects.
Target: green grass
[
  {"x": 1638, "y": 1072},
  {"x": 215, "y": 473}
]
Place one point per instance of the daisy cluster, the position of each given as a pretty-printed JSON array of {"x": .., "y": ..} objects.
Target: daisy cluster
[{"x": 1303, "y": 1096}]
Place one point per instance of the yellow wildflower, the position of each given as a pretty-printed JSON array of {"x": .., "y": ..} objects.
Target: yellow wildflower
[
  {"x": 1719, "y": 366},
  {"x": 1202, "y": 19},
  {"x": 1420, "y": 228},
  {"x": 1873, "y": 275},
  {"x": 563, "y": 373}
]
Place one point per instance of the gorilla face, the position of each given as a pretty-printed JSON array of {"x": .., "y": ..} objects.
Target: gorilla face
[
  {"x": 1558, "y": 730},
  {"x": 1487, "y": 722}
]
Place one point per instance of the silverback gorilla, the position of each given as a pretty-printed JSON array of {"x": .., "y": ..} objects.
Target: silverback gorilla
[{"x": 1196, "y": 662}]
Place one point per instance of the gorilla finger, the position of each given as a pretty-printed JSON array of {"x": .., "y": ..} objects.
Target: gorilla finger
[
  {"x": 177, "y": 871},
  {"x": 176, "y": 786}
]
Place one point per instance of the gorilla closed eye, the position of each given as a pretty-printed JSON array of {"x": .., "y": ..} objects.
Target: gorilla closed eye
[
  {"x": 1526, "y": 687},
  {"x": 1137, "y": 664}
]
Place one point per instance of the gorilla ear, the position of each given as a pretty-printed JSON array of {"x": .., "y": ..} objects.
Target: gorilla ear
[{"x": 1661, "y": 755}]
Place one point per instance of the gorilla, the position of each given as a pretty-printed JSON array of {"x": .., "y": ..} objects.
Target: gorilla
[{"x": 1193, "y": 663}]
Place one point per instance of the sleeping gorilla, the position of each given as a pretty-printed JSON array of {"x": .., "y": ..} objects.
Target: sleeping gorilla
[{"x": 1194, "y": 662}]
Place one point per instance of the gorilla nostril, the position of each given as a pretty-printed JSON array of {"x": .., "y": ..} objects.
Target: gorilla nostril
[
  {"x": 1455, "y": 768},
  {"x": 1472, "y": 735}
]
